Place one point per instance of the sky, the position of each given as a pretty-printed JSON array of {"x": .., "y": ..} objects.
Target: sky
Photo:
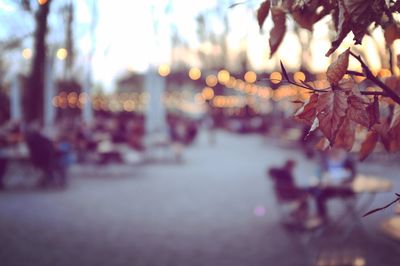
[{"x": 126, "y": 40}]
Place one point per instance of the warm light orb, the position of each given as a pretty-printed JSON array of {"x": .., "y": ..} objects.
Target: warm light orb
[
  {"x": 129, "y": 105},
  {"x": 223, "y": 76},
  {"x": 42, "y": 2},
  {"x": 299, "y": 77},
  {"x": 207, "y": 93},
  {"x": 275, "y": 77},
  {"x": 62, "y": 53},
  {"x": 250, "y": 77},
  {"x": 384, "y": 73},
  {"x": 194, "y": 73},
  {"x": 211, "y": 81},
  {"x": 164, "y": 70},
  {"x": 27, "y": 53}
]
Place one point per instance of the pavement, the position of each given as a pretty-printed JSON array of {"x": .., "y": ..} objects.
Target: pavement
[{"x": 216, "y": 207}]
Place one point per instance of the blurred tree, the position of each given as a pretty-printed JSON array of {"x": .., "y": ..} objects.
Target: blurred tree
[{"x": 35, "y": 90}]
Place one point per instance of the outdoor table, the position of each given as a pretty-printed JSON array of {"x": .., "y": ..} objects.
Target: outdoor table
[
  {"x": 370, "y": 184},
  {"x": 16, "y": 155}
]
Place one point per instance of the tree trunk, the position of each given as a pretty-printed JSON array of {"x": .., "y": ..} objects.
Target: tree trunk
[{"x": 35, "y": 87}]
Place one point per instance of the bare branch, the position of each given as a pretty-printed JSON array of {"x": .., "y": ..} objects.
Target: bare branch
[
  {"x": 374, "y": 93},
  {"x": 355, "y": 73},
  {"x": 369, "y": 75},
  {"x": 303, "y": 85},
  {"x": 384, "y": 207}
]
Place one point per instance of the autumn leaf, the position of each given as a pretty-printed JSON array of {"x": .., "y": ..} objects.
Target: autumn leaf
[
  {"x": 262, "y": 12},
  {"x": 279, "y": 29},
  {"x": 373, "y": 112},
  {"x": 308, "y": 112},
  {"x": 322, "y": 144},
  {"x": 345, "y": 136},
  {"x": 355, "y": 16},
  {"x": 392, "y": 33},
  {"x": 382, "y": 130},
  {"x": 331, "y": 109},
  {"x": 305, "y": 18},
  {"x": 394, "y": 83},
  {"x": 338, "y": 68},
  {"x": 394, "y": 130},
  {"x": 342, "y": 19},
  {"x": 357, "y": 111},
  {"x": 368, "y": 144}
]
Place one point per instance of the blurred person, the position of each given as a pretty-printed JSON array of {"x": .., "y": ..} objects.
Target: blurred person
[
  {"x": 43, "y": 155},
  {"x": 336, "y": 173},
  {"x": 286, "y": 188},
  {"x": 65, "y": 157}
]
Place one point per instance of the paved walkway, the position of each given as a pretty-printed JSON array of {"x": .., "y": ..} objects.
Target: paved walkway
[{"x": 216, "y": 208}]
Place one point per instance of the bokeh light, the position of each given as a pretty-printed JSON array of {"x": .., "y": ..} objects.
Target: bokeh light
[
  {"x": 62, "y": 53},
  {"x": 223, "y": 76},
  {"x": 194, "y": 73},
  {"x": 27, "y": 53},
  {"x": 211, "y": 81},
  {"x": 164, "y": 70},
  {"x": 275, "y": 77},
  {"x": 250, "y": 77}
]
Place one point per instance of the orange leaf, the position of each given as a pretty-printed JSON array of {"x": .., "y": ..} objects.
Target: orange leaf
[
  {"x": 357, "y": 111},
  {"x": 331, "y": 110},
  {"x": 262, "y": 12},
  {"x": 308, "y": 111},
  {"x": 338, "y": 68},
  {"x": 392, "y": 33},
  {"x": 322, "y": 144},
  {"x": 278, "y": 31},
  {"x": 373, "y": 112},
  {"x": 369, "y": 144},
  {"x": 394, "y": 131},
  {"x": 346, "y": 135}
]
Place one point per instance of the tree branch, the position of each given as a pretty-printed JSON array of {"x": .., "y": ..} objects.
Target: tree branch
[
  {"x": 369, "y": 75},
  {"x": 384, "y": 207},
  {"x": 375, "y": 93},
  {"x": 355, "y": 73},
  {"x": 303, "y": 85}
]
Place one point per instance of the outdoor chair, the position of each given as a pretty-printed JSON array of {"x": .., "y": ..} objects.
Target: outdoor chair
[
  {"x": 44, "y": 156},
  {"x": 292, "y": 205}
]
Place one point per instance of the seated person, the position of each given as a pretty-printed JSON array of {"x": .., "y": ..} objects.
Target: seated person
[
  {"x": 287, "y": 190},
  {"x": 336, "y": 174}
]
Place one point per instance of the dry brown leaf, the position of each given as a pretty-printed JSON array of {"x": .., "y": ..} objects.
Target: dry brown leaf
[
  {"x": 368, "y": 145},
  {"x": 306, "y": 18},
  {"x": 355, "y": 16},
  {"x": 338, "y": 68},
  {"x": 394, "y": 83},
  {"x": 392, "y": 33},
  {"x": 342, "y": 22},
  {"x": 279, "y": 29},
  {"x": 373, "y": 112},
  {"x": 322, "y": 144},
  {"x": 345, "y": 136},
  {"x": 331, "y": 109},
  {"x": 262, "y": 12},
  {"x": 308, "y": 111},
  {"x": 357, "y": 111}
]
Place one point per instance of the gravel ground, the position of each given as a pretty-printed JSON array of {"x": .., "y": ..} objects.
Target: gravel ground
[{"x": 214, "y": 208}]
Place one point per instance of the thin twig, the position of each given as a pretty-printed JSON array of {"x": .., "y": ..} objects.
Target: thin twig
[
  {"x": 377, "y": 93},
  {"x": 303, "y": 85},
  {"x": 384, "y": 207},
  {"x": 355, "y": 73},
  {"x": 369, "y": 75}
]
